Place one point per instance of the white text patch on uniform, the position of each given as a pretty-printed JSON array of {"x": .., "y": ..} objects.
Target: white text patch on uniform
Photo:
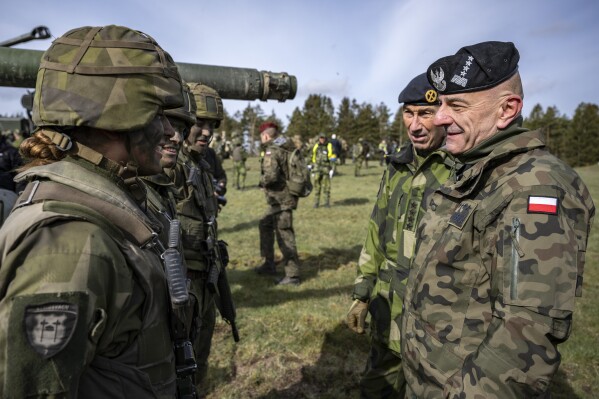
[{"x": 546, "y": 205}]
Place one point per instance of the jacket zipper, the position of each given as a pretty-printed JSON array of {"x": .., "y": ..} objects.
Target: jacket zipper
[{"x": 517, "y": 253}]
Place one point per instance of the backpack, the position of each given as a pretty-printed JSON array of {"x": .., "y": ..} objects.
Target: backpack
[{"x": 298, "y": 180}]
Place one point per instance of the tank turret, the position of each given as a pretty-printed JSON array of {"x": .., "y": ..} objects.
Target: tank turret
[{"x": 18, "y": 68}]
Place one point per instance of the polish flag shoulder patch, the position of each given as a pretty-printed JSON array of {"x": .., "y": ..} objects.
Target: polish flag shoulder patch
[{"x": 537, "y": 204}]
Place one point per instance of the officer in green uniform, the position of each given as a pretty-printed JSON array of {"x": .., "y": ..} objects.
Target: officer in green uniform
[
  {"x": 323, "y": 159},
  {"x": 83, "y": 294},
  {"x": 239, "y": 156},
  {"x": 500, "y": 255},
  {"x": 278, "y": 220},
  {"x": 197, "y": 209},
  {"x": 384, "y": 263}
]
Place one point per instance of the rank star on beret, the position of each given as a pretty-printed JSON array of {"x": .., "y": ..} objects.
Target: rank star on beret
[
  {"x": 419, "y": 92},
  {"x": 474, "y": 68}
]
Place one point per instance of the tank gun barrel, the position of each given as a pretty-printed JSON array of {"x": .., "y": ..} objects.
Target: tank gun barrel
[
  {"x": 39, "y": 32},
  {"x": 18, "y": 68}
]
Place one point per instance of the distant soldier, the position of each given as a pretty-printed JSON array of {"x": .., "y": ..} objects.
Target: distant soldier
[
  {"x": 323, "y": 159},
  {"x": 361, "y": 154},
  {"x": 239, "y": 156},
  {"x": 382, "y": 151},
  {"x": 85, "y": 302},
  {"x": 278, "y": 220},
  {"x": 337, "y": 150}
]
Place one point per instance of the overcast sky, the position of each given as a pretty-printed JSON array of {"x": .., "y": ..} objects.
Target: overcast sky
[{"x": 364, "y": 50}]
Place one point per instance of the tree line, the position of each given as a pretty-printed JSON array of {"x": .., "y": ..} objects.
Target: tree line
[{"x": 574, "y": 140}]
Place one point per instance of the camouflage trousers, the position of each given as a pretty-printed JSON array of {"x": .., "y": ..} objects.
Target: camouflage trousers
[
  {"x": 383, "y": 376},
  {"x": 358, "y": 165},
  {"x": 202, "y": 341},
  {"x": 322, "y": 182},
  {"x": 239, "y": 173},
  {"x": 279, "y": 225}
]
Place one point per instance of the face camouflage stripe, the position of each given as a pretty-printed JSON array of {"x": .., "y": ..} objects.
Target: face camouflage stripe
[{"x": 542, "y": 205}]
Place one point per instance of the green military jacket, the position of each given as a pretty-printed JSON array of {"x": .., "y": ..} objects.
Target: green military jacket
[
  {"x": 499, "y": 261},
  {"x": 83, "y": 298},
  {"x": 162, "y": 205},
  {"x": 196, "y": 204},
  {"x": 321, "y": 157},
  {"x": 274, "y": 171},
  {"x": 385, "y": 258}
]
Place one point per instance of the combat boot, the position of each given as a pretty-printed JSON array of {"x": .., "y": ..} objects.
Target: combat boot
[
  {"x": 326, "y": 204},
  {"x": 268, "y": 267},
  {"x": 289, "y": 281}
]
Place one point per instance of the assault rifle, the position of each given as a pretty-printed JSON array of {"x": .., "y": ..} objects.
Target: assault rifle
[
  {"x": 218, "y": 282},
  {"x": 215, "y": 251},
  {"x": 185, "y": 363}
]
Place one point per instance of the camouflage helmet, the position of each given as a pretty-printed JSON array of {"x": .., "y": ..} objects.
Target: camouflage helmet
[
  {"x": 111, "y": 77},
  {"x": 186, "y": 113},
  {"x": 208, "y": 101}
]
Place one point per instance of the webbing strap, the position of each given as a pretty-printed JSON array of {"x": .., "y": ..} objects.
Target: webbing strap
[{"x": 136, "y": 230}]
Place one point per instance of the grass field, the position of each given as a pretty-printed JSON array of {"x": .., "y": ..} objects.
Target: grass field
[{"x": 294, "y": 343}]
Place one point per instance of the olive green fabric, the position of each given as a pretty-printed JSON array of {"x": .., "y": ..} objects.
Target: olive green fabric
[
  {"x": 186, "y": 113},
  {"x": 387, "y": 252},
  {"x": 208, "y": 102},
  {"x": 60, "y": 252},
  {"x": 110, "y": 77},
  {"x": 196, "y": 204},
  {"x": 239, "y": 169},
  {"x": 491, "y": 291}
]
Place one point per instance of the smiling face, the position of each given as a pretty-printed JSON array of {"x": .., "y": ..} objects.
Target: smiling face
[
  {"x": 468, "y": 119},
  {"x": 200, "y": 135},
  {"x": 423, "y": 134},
  {"x": 147, "y": 144},
  {"x": 170, "y": 150}
]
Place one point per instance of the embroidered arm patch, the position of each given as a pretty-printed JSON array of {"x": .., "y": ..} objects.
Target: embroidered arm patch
[{"x": 538, "y": 204}]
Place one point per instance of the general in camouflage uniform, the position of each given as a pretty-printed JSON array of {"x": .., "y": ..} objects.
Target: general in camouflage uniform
[
  {"x": 278, "y": 220},
  {"x": 84, "y": 299},
  {"x": 323, "y": 159},
  {"x": 501, "y": 250},
  {"x": 384, "y": 263},
  {"x": 239, "y": 156},
  {"x": 197, "y": 209}
]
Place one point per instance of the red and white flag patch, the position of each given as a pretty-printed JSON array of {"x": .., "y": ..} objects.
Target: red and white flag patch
[{"x": 542, "y": 205}]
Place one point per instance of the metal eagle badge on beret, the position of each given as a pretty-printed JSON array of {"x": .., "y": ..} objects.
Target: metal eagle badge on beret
[{"x": 50, "y": 327}]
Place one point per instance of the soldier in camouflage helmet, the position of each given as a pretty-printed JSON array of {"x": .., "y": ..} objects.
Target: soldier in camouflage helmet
[
  {"x": 385, "y": 259},
  {"x": 209, "y": 115},
  {"x": 323, "y": 159},
  {"x": 83, "y": 294},
  {"x": 500, "y": 257},
  {"x": 197, "y": 209},
  {"x": 278, "y": 220}
]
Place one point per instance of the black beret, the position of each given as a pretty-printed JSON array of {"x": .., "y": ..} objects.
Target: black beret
[
  {"x": 474, "y": 68},
  {"x": 419, "y": 92}
]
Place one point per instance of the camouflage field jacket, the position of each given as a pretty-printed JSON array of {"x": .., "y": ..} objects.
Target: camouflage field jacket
[
  {"x": 84, "y": 305},
  {"x": 274, "y": 173},
  {"x": 385, "y": 258},
  {"x": 499, "y": 260}
]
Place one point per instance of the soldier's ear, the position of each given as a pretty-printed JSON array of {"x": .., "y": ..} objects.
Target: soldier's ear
[{"x": 511, "y": 107}]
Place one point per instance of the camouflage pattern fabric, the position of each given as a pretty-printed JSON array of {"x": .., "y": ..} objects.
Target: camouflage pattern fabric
[
  {"x": 491, "y": 289},
  {"x": 239, "y": 168},
  {"x": 385, "y": 259},
  {"x": 110, "y": 78},
  {"x": 193, "y": 206},
  {"x": 82, "y": 306},
  {"x": 278, "y": 219}
]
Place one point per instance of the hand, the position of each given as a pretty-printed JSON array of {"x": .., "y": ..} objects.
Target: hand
[{"x": 356, "y": 317}]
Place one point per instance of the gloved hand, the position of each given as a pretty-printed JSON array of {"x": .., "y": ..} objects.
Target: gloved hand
[
  {"x": 331, "y": 172},
  {"x": 356, "y": 317}
]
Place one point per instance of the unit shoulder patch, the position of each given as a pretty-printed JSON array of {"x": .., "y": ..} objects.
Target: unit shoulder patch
[{"x": 49, "y": 327}]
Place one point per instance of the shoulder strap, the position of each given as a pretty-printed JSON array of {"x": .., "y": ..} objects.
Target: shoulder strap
[{"x": 134, "y": 228}]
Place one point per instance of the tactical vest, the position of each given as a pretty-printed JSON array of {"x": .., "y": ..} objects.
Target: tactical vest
[
  {"x": 195, "y": 204},
  {"x": 146, "y": 367}
]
